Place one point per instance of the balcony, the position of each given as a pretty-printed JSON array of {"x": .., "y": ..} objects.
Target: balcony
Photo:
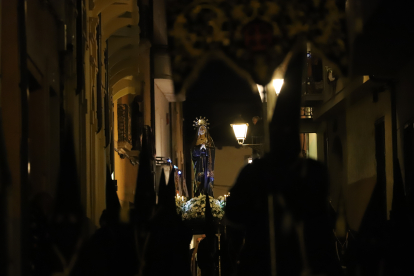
[
  {"x": 124, "y": 144},
  {"x": 313, "y": 87}
]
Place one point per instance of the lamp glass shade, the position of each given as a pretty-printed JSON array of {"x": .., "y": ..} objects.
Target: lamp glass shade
[
  {"x": 260, "y": 89},
  {"x": 240, "y": 131},
  {"x": 277, "y": 84}
]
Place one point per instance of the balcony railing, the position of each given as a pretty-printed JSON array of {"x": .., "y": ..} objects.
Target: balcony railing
[
  {"x": 124, "y": 126},
  {"x": 306, "y": 112},
  {"x": 313, "y": 87},
  {"x": 124, "y": 143},
  {"x": 314, "y": 80}
]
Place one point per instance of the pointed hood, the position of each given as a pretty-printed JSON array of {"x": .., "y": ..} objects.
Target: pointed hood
[
  {"x": 166, "y": 208},
  {"x": 144, "y": 201},
  {"x": 166, "y": 194},
  {"x": 162, "y": 189},
  {"x": 113, "y": 207},
  {"x": 167, "y": 248},
  {"x": 169, "y": 200},
  {"x": 284, "y": 128}
]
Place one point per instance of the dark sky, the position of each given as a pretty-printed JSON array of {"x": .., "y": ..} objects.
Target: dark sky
[{"x": 220, "y": 94}]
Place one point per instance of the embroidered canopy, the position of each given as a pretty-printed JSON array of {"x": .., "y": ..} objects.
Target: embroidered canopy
[{"x": 252, "y": 36}]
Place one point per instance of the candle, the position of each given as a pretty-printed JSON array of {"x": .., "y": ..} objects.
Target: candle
[{"x": 182, "y": 198}]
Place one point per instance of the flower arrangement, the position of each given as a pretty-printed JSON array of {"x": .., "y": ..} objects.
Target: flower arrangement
[
  {"x": 179, "y": 203},
  {"x": 195, "y": 208}
]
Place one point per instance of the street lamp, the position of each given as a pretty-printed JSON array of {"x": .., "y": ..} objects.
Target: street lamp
[
  {"x": 277, "y": 84},
  {"x": 260, "y": 89},
  {"x": 240, "y": 129}
]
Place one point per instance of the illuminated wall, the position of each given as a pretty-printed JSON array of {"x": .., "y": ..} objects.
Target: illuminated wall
[{"x": 228, "y": 163}]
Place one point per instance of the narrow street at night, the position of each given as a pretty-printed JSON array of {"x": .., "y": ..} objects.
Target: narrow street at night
[{"x": 206, "y": 138}]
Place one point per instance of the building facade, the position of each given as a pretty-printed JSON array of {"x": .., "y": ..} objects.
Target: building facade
[{"x": 94, "y": 63}]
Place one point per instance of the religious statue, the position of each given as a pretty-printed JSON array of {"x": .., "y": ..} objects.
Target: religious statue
[{"x": 202, "y": 153}]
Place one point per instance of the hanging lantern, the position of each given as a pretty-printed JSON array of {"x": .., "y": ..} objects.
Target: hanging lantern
[{"x": 240, "y": 129}]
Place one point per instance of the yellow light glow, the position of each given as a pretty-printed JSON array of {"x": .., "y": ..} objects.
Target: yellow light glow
[
  {"x": 277, "y": 84},
  {"x": 240, "y": 131},
  {"x": 259, "y": 88}
]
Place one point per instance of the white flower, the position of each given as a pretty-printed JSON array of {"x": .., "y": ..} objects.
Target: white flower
[{"x": 195, "y": 207}]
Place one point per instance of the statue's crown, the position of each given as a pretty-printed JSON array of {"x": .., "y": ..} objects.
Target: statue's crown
[{"x": 201, "y": 122}]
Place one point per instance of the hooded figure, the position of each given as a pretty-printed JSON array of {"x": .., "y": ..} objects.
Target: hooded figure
[
  {"x": 109, "y": 251},
  {"x": 113, "y": 207},
  {"x": 287, "y": 218},
  {"x": 207, "y": 253},
  {"x": 169, "y": 239},
  {"x": 144, "y": 201},
  {"x": 119, "y": 248},
  {"x": 67, "y": 235},
  {"x": 163, "y": 191}
]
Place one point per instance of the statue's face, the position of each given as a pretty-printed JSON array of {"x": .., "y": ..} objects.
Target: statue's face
[{"x": 202, "y": 130}]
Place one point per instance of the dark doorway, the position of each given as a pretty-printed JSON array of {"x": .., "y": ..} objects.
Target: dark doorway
[{"x": 381, "y": 177}]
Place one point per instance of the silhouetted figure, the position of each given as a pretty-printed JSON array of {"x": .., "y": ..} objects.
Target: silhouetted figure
[
  {"x": 120, "y": 248},
  {"x": 61, "y": 253},
  {"x": 110, "y": 250},
  {"x": 144, "y": 201},
  {"x": 167, "y": 252},
  {"x": 256, "y": 130},
  {"x": 113, "y": 207},
  {"x": 207, "y": 253},
  {"x": 207, "y": 257},
  {"x": 281, "y": 199}
]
